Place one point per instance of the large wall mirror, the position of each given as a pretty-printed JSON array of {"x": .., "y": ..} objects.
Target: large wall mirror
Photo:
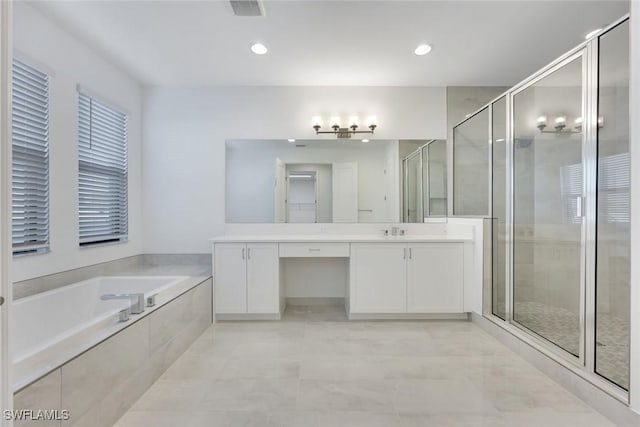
[{"x": 322, "y": 181}]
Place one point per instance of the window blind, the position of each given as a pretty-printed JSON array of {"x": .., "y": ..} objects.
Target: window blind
[
  {"x": 614, "y": 198},
  {"x": 30, "y": 164},
  {"x": 102, "y": 180}
]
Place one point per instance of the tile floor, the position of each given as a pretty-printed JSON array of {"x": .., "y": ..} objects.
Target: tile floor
[{"x": 315, "y": 368}]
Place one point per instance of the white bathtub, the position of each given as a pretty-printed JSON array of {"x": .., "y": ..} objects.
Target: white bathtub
[{"x": 53, "y": 327}]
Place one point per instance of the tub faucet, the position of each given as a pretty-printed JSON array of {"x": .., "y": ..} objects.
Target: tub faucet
[{"x": 137, "y": 301}]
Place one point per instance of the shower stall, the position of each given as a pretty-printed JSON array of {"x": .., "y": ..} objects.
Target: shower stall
[{"x": 548, "y": 164}]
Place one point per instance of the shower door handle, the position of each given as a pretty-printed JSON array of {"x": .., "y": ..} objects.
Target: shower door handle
[{"x": 580, "y": 206}]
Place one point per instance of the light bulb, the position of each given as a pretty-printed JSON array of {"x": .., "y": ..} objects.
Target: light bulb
[
  {"x": 335, "y": 121},
  {"x": 372, "y": 121},
  {"x": 542, "y": 120},
  {"x": 353, "y": 121},
  {"x": 561, "y": 120},
  {"x": 316, "y": 121}
]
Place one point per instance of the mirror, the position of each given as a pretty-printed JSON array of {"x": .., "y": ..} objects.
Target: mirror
[
  {"x": 321, "y": 181},
  {"x": 425, "y": 182}
]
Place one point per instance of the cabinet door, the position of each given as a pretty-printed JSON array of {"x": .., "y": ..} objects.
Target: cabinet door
[
  {"x": 230, "y": 277},
  {"x": 378, "y": 278},
  {"x": 263, "y": 278},
  {"x": 435, "y": 278}
]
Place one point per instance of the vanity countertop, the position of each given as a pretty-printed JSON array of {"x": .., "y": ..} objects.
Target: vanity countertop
[{"x": 341, "y": 238}]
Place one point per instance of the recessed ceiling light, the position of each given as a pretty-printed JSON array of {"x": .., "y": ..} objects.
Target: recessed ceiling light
[
  {"x": 592, "y": 33},
  {"x": 422, "y": 49},
  {"x": 259, "y": 49},
  {"x": 291, "y": 140},
  {"x": 365, "y": 140}
]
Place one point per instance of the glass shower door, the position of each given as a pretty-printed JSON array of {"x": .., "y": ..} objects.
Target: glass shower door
[
  {"x": 548, "y": 206},
  {"x": 499, "y": 207},
  {"x": 612, "y": 315}
]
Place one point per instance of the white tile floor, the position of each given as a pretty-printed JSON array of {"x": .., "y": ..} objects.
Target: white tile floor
[{"x": 314, "y": 368}]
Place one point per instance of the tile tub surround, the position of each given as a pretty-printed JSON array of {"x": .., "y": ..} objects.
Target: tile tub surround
[
  {"x": 138, "y": 265},
  {"x": 99, "y": 385},
  {"x": 316, "y": 368}
]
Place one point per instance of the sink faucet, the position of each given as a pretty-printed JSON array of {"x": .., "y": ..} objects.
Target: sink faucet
[{"x": 137, "y": 301}]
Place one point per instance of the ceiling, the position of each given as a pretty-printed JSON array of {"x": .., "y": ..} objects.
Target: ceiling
[{"x": 326, "y": 43}]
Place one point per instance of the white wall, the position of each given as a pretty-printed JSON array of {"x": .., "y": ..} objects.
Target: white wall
[
  {"x": 184, "y": 143},
  {"x": 44, "y": 45},
  {"x": 635, "y": 205}
]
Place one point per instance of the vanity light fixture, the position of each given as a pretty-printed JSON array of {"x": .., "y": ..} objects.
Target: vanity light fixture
[
  {"x": 346, "y": 131},
  {"x": 560, "y": 125},
  {"x": 259, "y": 49}
]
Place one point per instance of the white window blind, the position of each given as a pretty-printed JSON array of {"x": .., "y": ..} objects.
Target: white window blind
[
  {"x": 614, "y": 198},
  {"x": 30, "y": 165},
  {"x": 102, "y": 172}
]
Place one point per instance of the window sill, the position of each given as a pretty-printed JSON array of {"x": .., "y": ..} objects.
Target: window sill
[
  {"x": 103, "y": 244},
  {"x": 40, "y": 251}
]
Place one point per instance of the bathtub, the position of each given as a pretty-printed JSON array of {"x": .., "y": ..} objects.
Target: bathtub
[{"x": 53, "y": 327}]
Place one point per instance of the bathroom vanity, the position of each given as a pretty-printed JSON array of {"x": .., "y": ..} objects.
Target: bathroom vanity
[{"x": 412, "y": 276}]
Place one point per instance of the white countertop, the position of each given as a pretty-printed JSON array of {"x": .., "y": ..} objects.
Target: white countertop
[{"x": 340, "y": 238}]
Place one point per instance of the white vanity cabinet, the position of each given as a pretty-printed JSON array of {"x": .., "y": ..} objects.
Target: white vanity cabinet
[
  {"x": 413, "y": 278},
  {"x": 246, "y": 278},
  {"x": 378, "y": 282},
  {"x": 435, "y": 278}
]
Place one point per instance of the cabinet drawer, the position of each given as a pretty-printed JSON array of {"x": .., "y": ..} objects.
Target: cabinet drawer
[{"x": 313, "y": 250}]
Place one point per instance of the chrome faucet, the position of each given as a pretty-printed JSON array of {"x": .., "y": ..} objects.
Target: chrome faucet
[{"x": 137, "y": 301}]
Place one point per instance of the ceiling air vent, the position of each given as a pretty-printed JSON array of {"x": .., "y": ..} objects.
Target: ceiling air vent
[{"x": 247, "y": 7}]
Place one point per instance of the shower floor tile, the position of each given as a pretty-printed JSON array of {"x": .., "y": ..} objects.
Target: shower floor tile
[{"x": 315, "y": 368}]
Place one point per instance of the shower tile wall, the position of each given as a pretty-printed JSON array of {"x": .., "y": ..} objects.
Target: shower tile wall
[{"x": 461, "y": 101}]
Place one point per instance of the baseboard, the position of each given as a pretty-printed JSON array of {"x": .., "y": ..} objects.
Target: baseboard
[
  {"x": 408, "y": 316},
  {"x": 315, "y": 301},
  {"x": 246, "y": 316}
]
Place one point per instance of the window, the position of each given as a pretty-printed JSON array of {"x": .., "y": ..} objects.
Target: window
[
  {"x": 614, "y": 202},
  {"x": 102, "y": 182},
  {"x": 30, "y": 167},
  {"x": 613, "y": 186}
]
